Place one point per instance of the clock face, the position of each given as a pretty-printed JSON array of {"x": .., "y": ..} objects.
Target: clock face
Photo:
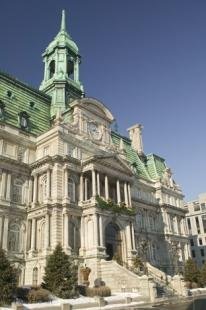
[{"x": 94, "y": 130}]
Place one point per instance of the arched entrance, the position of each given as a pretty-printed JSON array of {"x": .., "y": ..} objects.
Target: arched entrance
[{"x": 113, "y": 241}]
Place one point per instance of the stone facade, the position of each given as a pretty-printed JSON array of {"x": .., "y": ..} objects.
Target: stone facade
[
  {"x": 196, "y": 223},
  {"x": 66, "y": 178}
]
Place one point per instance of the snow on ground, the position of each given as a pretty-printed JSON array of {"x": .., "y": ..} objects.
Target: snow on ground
[{"x": 81, "y": 300}]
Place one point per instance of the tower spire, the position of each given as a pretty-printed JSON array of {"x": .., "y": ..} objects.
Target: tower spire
[{"x": 63, "y": 21}]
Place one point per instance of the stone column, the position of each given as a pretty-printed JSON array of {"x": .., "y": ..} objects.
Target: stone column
[
  {"x": 33, "y": 235},
  {"x": 118, "y": 192},
  {"x": 125, "y": 194},
  {"x": 166, "y": 221},
  {"x": 96, "y": 243},
  {"x": 28, "y": 235},
  {"x": 176, "y": 225},
  {"x": 48, "y": 183},
  {"x": 5, "y": 234},
  {"x": 8, "y": 187},
  {"x": 129, "y": 239},
  {"x": 81, "y": 190},
  {"x": 186, "y": 251},
  {"x": 30, "y": 194},
  {"x": 82, "y": 233},
  {"x": 3, "y": 185},
  {"x": 106, "y": 187},
  {"x": 66, "y": 194},
  {"x": 35, "y": 192},
  {"x": 133, "y": 237},
  {"x": 129, "y": 194},
  {"x": 76, "y": 70},
  {"x": 1, "y": 230},
  {"x": 66, "y": 231},
  {"x": 93, "y": 183},
  {"x": 101, "y": 239},
  {"x": 85, "y": 189},
  {"x": 47, "y": 230},
  {"x": 98, "y": 184}
]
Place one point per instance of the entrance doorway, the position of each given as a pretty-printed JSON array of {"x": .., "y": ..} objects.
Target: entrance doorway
[{"x": 113, "y": 242}]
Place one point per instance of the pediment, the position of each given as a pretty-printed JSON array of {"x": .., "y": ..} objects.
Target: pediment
[
  {"x": 94, "y": 106},
  {"x": 114, "y": 162}
]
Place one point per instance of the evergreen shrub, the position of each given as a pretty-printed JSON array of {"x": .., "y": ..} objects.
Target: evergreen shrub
[{"x": 8, "y": 280}]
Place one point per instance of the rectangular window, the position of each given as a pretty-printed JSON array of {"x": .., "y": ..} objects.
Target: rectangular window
[
  {"x": 203, "y": 206},
  {"x": 202, "y": 252},
  {"x": 191, "y": 242},
  {"x": 200, "y": 241},
  {"x": 196, "y": 207},
  {"x": 193, "y": 253},
  {"x": 46, "y": 151},
  {"x": 204, "y": 224},
  {"x": 197, "y": 222},
  {"x": 189, "y": 224}
]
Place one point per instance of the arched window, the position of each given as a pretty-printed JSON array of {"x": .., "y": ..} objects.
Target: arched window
[
  {"x": 71, "y": 190},
  {"x": 35, "y": 277},
  {"x": 13, "y": 238},
  {"x": 51, "y": 69},
  {"x": 70, "y": 69},
  {"x": 17, "y": 190}
]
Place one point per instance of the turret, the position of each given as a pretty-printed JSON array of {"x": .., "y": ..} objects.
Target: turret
[{"x": 61, "y": 70}]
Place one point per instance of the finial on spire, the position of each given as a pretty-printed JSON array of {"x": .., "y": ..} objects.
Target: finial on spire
[{"x": 63, "y": 21}]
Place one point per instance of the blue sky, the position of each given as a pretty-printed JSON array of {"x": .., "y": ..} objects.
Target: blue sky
[{"x": 145, "y": 59}]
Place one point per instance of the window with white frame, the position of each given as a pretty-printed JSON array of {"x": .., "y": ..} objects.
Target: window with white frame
[
  {"x": 13, "y": 237},
  {"x": 35, "y": 277},
  {"x": 43, "y": 188},
  {"x": 17, "y": 190}
]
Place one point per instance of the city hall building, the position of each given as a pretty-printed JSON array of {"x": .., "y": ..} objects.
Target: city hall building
[{"x": 66, "y": 177}]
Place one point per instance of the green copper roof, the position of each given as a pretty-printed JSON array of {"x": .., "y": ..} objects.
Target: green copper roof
[
  {"x": 17, "y": 97},
  {"x": 131, "y": 155},
  {"x": 151, "y": 168},
  {"x": 62, "y": 39},
  {"x": 155, "y": 166}
]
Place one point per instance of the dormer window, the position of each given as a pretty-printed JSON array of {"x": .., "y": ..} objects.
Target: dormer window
[
  {"x": 32, "y": 104},
  {"x": 24, "y": 120},
  {"x": 2, "y": 107},
  {"x": 9, "y": 93}
]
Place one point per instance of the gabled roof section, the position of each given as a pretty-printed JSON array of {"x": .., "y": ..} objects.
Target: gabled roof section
[
  {"x": 155, "y": 166},
  {"x": 131, "y": 155}
]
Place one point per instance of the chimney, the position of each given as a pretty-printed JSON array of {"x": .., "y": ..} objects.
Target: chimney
[{"x": 135, "y": 135}]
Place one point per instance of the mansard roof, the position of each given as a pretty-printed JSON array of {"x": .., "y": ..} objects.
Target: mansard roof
[
  {"x": 150, "y": 167},
  {"x": 18, "y": 97}
]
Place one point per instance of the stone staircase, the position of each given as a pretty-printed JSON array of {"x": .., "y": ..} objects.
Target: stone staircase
[
  {"x": 162, "y": 280},
  {"x": 118, "y": 277}
]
